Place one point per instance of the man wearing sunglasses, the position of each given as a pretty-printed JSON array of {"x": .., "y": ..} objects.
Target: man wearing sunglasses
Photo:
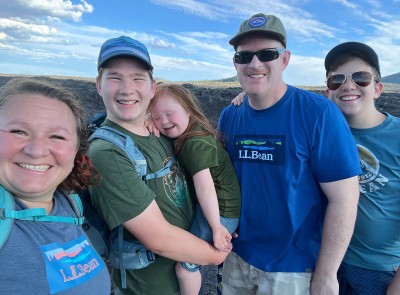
[
  {"x": 373, "y": 256},
  {"x": 297, "y": 164}
]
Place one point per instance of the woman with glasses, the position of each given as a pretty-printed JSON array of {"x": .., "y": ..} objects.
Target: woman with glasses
[{"x": 373, "y": 256}]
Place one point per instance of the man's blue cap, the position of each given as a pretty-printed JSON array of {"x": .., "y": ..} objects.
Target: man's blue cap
[{"x": 123, "y": 46}]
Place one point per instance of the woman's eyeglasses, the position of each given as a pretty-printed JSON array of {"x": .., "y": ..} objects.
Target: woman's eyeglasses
[
  {"x": 264, "y": 55},
  {"x": 362, "y": 79}
]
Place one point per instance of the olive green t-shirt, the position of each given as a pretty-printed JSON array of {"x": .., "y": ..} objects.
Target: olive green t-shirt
[
  {"x": 201, "y": 152},
  {"x": 123, "y": 195}
]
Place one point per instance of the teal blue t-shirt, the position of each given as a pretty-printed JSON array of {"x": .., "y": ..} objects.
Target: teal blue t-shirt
[{"x": 376, "y": 240}]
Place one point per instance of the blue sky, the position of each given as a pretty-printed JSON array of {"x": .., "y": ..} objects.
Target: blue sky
[{"x": 188, "y": 39}]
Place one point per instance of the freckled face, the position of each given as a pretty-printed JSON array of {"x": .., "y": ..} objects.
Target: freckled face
[
  {"x": 169, "y": 116},
  {"x": 38, "y": 145}
]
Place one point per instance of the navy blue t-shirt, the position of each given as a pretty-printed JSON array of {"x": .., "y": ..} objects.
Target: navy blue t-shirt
[{"x": 281, "y": 154}]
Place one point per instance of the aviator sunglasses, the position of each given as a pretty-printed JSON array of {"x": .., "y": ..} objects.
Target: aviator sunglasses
[
  {"x": 264, "y": 55},
  {"x": 362, "y": 79}
]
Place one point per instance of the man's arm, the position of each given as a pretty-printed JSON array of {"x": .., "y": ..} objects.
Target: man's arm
[
  {"x": 337, "y": 231},
  {"x": 394, "y": 287},
  {"x": 124, "y": 196},
  {"x": 165, "y": 239}
]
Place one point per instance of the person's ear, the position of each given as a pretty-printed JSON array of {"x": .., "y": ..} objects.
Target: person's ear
[
  {"x": 98, "y": 85},
  {"x": 378, "y": 88},
  {"x": 285, "y": 59},
  {"x": 234, "y": 64},
  {"x": 153, "y": 87}
]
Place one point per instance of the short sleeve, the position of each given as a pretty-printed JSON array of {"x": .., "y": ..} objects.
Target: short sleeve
[
  {"x": 198, "y": 153},
  {"x": 334, "y": 154}
]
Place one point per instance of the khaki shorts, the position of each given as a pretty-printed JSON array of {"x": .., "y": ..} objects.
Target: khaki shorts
[{"x": 241, "y": 278}]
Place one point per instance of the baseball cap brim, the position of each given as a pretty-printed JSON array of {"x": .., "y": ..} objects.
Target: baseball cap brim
[
  {"x": 128, "y": 53},
  {"x": 279, "y": 36}
]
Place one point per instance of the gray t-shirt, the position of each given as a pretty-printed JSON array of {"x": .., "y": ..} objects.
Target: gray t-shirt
[{"x": 51, "y": 258}]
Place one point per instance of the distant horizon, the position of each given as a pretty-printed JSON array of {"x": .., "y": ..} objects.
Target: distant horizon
[
  {"x": 389, "y": 86},
  {"x": 188, "y": 39}
]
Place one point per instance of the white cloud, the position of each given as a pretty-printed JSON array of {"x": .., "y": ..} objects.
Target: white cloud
[
  {"x": 190, "y": 69},
  {"x": 25, "y": 22},
  {"x": 348, "y": 4},
  {"x": 33, "y": 9},
  {"x": 299, "y": 22},
  {"x": 208, "y": 35},
  {"x": 375, "y": 4},
  {"x": 194, "y": 7},
  {"x": 196, "y": 43},
  {"x": 311, "y": 69},
  {"x": 41, "y": 31},
  {"x": 17, "y": 29},
  {"x": 386, "y": 43}
]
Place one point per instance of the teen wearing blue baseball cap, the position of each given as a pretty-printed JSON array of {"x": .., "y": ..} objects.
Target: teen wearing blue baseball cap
[
  {"x": 157, "y": 212},
  {"x": 123, "y": 46}
]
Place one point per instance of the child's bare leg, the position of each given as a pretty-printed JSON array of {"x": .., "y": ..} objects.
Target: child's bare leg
[{"x": 189, "y": 282}]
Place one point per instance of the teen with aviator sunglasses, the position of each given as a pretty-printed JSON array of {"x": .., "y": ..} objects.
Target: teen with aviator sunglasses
[
  {"x": 373, "y": 255},
  {"x": 361, "y": 78},
  {"x": 280, "y": 142}
]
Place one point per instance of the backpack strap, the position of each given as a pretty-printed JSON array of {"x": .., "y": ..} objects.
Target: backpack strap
[
  {"x": 162, "y": 172},
  {"x": 76, "y": 204},
  {"x": 125, "y": 143},
  {"x": 7, "y": 211},
  {"x": 95, "y": 121},
  {"x": 6, "y": 203},
  {"x": 121, "y": 257}
]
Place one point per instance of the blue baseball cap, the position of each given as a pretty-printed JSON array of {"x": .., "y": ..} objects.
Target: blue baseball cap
[{"x": 123, "y": 46}]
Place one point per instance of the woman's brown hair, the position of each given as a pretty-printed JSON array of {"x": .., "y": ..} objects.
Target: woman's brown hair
[{"x": 83, "y": 172}]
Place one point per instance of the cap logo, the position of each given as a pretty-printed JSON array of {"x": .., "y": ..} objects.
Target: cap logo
[{"x": 257, "y": 21}]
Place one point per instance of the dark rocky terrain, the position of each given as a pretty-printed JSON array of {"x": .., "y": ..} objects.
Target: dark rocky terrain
[{"x": 212, "y": 99}]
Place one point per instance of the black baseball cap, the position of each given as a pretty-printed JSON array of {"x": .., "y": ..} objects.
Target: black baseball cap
[{"x": 361, "y": 49}]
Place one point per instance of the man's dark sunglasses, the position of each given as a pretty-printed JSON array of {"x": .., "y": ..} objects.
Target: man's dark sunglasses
[
  {"x": 362, "y": 79},
  {"x": 264, "y": 55}
]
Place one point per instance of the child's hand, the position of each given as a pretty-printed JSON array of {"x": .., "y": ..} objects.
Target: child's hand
[
  {"x": 238, "y": 100},
  {"x": 222, "y": 239},
  {"x": 148, "y": 122}
]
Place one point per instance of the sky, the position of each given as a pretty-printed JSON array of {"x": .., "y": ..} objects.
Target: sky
[{"x": 188, "y": 39}]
